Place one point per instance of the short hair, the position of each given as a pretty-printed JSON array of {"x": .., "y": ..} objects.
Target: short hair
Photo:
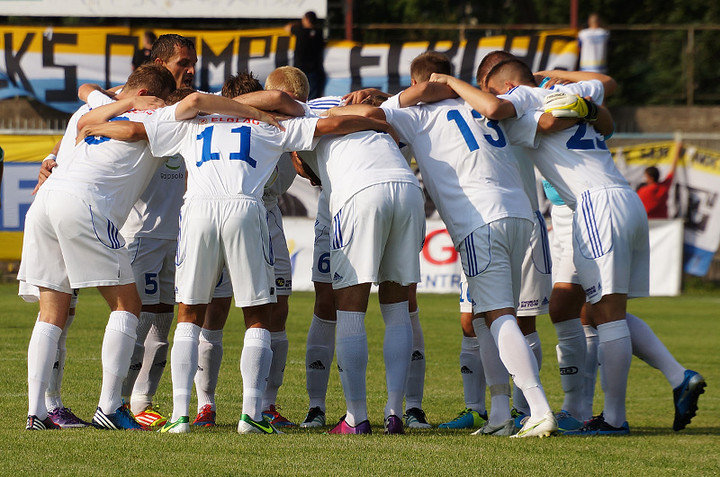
[
  {"x": 488, "y": 62},
  {"x": 375, "y": 100},
  {"x": 156, "y": 79},
  {"x": 291, "y": 80},
  {"x": 241, "y": 83},
  {"x": 311, "y": 16},
  {"x": 164, "y": 47},
  {"x": 178, "y": 95},
  {"x": 512, "y": 66},
  {"x": 653, "y": 172},
  {"x": 428, "y": 63}
]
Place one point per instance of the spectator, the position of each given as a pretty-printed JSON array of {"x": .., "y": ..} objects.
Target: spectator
[
  {"x": 309, "y": 51},
  {"x": 593, "y": 42},
  {"x": 143, "y": 56},
  {"x": 654, "y": 194},
  {"x": 2, "y": 165}
]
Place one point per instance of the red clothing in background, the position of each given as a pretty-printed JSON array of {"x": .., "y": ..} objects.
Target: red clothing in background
[{"x": 655, "y": 196}]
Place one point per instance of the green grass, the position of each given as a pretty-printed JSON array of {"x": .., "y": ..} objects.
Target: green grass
[{"x": 689, "y": 326}]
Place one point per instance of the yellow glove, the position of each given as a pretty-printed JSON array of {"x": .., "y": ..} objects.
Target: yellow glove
[{"x": 563, "y": 105}]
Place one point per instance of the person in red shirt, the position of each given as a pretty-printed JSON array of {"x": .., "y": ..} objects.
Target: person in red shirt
[{"x": 654, "y": 194}]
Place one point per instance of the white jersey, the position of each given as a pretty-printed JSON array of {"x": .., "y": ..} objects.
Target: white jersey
[
  {"x": 593, "y": 49},
  {"x": 467, "y": 167},
  {"x": 67, "y": 143},
  {"x": 575, "y": 159},
  {"x": 280, "y": 181},
  {"x": 226, "y": 156},
  {"x": 109, "y": 175}
]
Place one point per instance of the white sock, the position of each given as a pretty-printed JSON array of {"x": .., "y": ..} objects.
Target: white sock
[
  {"x": 136, "y": 359},
  {"x": 519, "y": 401},
  {"x": 648, "y": 347},
  {"x": 571, "y": 353},
  {"x": 590, "y": 372},
  {"x": 352, "y": 358},
  {"x": 416, "y": 374},
  {"x": 496, "y": 375},
  {"x": 183, "y": 365},
  {"x": 279, "y": 345},
  {"x": 53, "y": 398},
  {"x": 318, "y": 358},
  {"x": 117, "y": 347},
  {"x": 210, "y": 353},
  {"x": 615, "y": 354},
  {"x": 520, "y": 362},
  {"x": 255, "y": 366},
  {"x": 41, "y": 356},
  {"x": 473, "y": 376},
  {"x": 154, "y": 362},
  {"x": 397, "y": 351}
]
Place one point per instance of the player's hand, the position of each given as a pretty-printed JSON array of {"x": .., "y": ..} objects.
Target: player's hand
[
  {"x": 270, "y": 119},
  {"x": 45, "y": 170},
  {"x": 303, "y": 169},
  {"x": 440, "y": 78},
  {"x": 357, "y": 97},
  {"x": 562, "y": 105},
  {"x": 553, "y": 81},
  {"x": 142, "y": 103},
  {"x": 83, "y": 133}
]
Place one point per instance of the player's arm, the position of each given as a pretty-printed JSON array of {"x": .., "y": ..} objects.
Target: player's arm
[
  {"x": 48, "y": 164},
  {"x": 568, "y": 106},
  {"x": 108, "y": 111},
  {"x": 351, "y": 124},
  {"x": 550, "y": 124},
  {"x": 303, "y": 169},
  {"x": 576, "y": 76},
  {"x": 364, "y": 110},
  {"x": 128, "y": 131},
  {"x": 426, "y": 92},
  {"x": 85, "y": 89},
  {"x": 484, "y": 103},
  {"x": 194, "y": 103},
  {"x": 273, "y": 100},
  {"x": 357, "y": 97}
]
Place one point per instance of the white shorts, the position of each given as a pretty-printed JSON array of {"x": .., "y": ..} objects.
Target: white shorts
[
  {"x": 283, "y": 267},
  {"x": 466, "y": 305},
  {"x": 564, "y": 270},
  {"x": 153, "y": 263},
  {"x": 612, "y": 249},
  {"x": 492, "y": 258},
  {"x": 378, "y": 235},
  {"x": 31, "y": 294},
  {"x": 536, "y": 283},
  {"x": 67, "y": 245},
  {"x": 223, "y": 287},
  {"x": 229, "y": 232},
  {"x": 321, "y": 248}
]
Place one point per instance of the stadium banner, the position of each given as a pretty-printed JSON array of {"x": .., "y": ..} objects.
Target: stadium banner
[
  {"x": 166, "y": 8},
  {"x": 50, "y": 63},
  {"x": 694, "y": 196}
]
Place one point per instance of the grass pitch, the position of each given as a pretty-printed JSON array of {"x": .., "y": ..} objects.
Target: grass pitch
[{"x": 689, "y": 326}]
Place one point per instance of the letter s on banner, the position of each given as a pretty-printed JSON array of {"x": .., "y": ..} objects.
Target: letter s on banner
[{"x": 429, "y": 251}]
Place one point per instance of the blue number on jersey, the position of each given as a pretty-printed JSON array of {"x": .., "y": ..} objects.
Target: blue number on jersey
[
  {"x": 579, "y": 142},
  {"x": 244, "y": 154},
  {"x": 454, "y": 115},
  {"x": 93, "y": 140},
  {"x": 206, "y": 137}
]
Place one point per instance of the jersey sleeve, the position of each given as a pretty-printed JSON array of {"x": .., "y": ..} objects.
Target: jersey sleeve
[
  {"x": 165, "y": 134},
  {"x": 523, "y": 99},
  {"x": 592, "y": 88},
  {"x": 405, "y": 121},
  {"x": 299, "y": 134},
  {"x": 393, "y": 102},
  {"x": 522, "y": 131},
  {"x": 96, "y": 99}
]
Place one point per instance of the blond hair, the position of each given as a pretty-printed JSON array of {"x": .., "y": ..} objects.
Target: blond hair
[{"x": 291, "y": 80}]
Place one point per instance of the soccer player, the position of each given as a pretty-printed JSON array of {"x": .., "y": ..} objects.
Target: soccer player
[
  {"x": 609, "y": 227},
  {"x": 75, "y": 219},
  {"x": 377, "y": 212}
]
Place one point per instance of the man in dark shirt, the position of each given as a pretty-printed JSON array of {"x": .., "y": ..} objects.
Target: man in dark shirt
[
  {"x": 309, "y": 51},
  {"x": 654, "y": 194},
  {"x": 142, "y": 56}
]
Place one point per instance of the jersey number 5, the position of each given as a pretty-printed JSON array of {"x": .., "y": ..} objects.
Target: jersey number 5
[{"x": 242, "y": 155}]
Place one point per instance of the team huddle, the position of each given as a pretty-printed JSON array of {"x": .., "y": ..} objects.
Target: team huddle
[{"x": 159, "y": 194}]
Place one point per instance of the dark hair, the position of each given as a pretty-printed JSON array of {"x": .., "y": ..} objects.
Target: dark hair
[
  {"x": 653, "y": 172},
  {"x": 156, "y": 79},
  {"x": 164, "y": 46},
  {"x": 150, "y": 36},
  {"x": 514, "y": 65},
  {"x": 488, "y": 62},
  {"x": 178, "y": 95},
  {"x": 241, "y": 83},
  {"x": 312, "y": 17},
  {"x": 428, "y": 63}
]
